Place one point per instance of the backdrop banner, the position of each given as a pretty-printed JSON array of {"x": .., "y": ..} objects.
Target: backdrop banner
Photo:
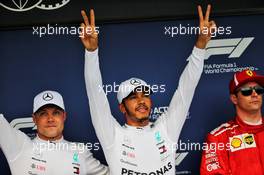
[{"x": 47, "y": 58}]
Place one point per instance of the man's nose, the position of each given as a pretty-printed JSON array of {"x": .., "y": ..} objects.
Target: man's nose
[
  {"x": 254, "y": 93},
  {"x": 50, "y": 118},
  {"x": 141, "y": 100}
]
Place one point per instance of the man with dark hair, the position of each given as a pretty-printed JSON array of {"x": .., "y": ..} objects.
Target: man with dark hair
[
  {"x": 237, "y": 147},
  {"x": 141, "y": 147},
  {"x": 48, "y": 153}
]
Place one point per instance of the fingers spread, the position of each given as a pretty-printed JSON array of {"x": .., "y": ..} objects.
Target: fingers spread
[
  {"x": 92, "y": 17},
  {"x": 85, "y": 18},
  {"x": 207, "y": 13},
  {"x": 200, "y": 12}
]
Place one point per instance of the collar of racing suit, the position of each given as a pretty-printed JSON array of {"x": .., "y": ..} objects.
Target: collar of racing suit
[
  {"x": 249, "y": 128},
  {"x": 38, "y": 139},
  {"x": 139, "y": 128}
]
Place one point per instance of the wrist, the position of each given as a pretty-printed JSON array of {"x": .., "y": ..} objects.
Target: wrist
[
  {"x": 91, "y": 49},
  {"x": 201, "y": 43}
]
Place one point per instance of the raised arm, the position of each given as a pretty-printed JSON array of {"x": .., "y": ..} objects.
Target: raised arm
[
  {"x": 182, "y": 98},
  {"x": 11, "y": 140},
  {"x": 102, "y": 119}
]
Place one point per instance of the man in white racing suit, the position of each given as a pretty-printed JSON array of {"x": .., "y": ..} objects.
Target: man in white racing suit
[
  {"x": 140, "y": 147},
  {"x": 48, "y": 153}
]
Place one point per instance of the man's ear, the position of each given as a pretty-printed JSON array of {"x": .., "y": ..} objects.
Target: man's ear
[
  {"x": 122, "y": 108},
  {"x": 233, "y": 98},
  {"x": 34, "y": 118},
  {"x": 64, "y": 116}
]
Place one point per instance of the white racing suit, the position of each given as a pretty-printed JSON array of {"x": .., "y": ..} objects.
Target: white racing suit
[
  {"x": 39, "y": 157},
  {"x": 148, "y": 150}
]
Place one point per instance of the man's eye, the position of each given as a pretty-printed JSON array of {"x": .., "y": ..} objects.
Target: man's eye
[
  {"x": 146, "y": 95},
  {"x": 42, "y": 113},
  {"x": 56, "y": 112},
  {"x": 132, "y": 97}
]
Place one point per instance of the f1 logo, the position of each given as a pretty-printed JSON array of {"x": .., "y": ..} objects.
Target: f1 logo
[
  {"x": 20, "y": 123},
  {"x": 179, "y": 157},
  {"x": 234, "y": 47}
]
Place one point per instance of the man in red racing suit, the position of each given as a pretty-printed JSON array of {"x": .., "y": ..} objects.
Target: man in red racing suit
[{"x": 237, "y": 147}]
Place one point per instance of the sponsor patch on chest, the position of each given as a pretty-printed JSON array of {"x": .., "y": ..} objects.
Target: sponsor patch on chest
[{"x": 242, "y": 141}]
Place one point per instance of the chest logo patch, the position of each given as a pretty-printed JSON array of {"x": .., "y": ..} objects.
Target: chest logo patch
[
  {"x": 236, "y": 142},
  {"x": 249, "y": 139},
  {"x": 242, "y": 141}
]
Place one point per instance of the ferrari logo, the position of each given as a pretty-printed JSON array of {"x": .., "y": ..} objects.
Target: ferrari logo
[{"x": 249, "y": 73}]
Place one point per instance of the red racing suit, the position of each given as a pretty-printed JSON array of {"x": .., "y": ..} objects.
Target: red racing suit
[{"x": 234, "y": 148}]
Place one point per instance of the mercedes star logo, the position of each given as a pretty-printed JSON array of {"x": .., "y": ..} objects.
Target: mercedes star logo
[
  {"x": 47, "y": 96},
  {"x": 135, "y": 82}
]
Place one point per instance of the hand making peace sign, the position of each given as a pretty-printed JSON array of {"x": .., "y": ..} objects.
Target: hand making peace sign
[
  {"x": 206, "y": 28},
  {"x": 89, "y": 35},
  {"x": 90, "y": 39}
]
